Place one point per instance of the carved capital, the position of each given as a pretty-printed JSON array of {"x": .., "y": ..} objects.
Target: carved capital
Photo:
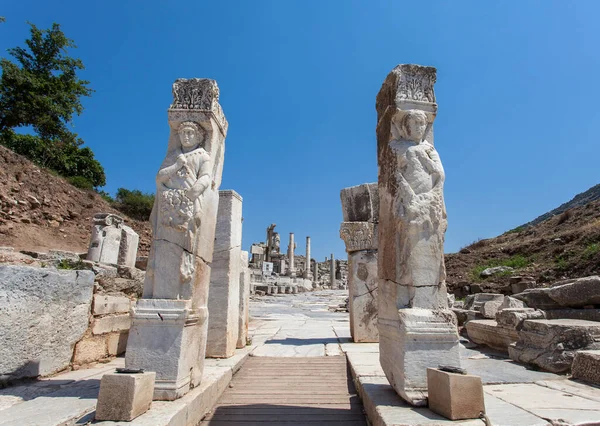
[{"x": 359, "y": 236}]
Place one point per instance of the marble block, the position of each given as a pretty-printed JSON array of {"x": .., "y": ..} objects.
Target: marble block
[
  {"x": 359, "y": 236},
  {"x": 244, "y": 315},
  {"x": 586, "y": 366},
  {"x": 362, "y": 289},
  {"x": 455, "y": 396},
  {"x": 128, "y": 247},
  {"x": 360, "y": 203},
  {"x": 123, "y": 397},
  {"x": 167, "y": 336},
  {"x": 224, "y": 293}
]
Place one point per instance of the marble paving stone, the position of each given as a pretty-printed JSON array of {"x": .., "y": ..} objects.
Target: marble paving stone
[{"x": 574, "y": 387}]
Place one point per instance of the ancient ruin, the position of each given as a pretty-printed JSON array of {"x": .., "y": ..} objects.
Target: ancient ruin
[
  {"x": 360, "y": 206},
  {"x": 112, "y": 241},
  {"x": 169, "y": 324},
  {"x": 416, "y": 328}
]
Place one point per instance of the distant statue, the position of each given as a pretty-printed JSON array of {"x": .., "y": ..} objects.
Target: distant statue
[
  {"x": 276, "y": 242},
  {"x": 182, "y": 179}
]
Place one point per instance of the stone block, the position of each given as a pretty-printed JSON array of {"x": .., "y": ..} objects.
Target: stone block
[
  {"x": 44, "y": 313},
  {"x": 360, "y": 203},
  {"x": 455, "y": 396},
  {"x": 362, "y": 301},
  {"x": 224, "y": 293},
  {"x": 586, "y": 366},
  {"x": 476, "y": 301},
  {"x": 141, "y": 262},
  {"x": 538, "y": 298},
  {"x": 128, "y": 247},
  {"x": 90, "y": 349},
  {"x": 552, "y": 344},
  {"x": 123, "y": 397},
  {"x": 514, "y": 317},
  {"x": 116, "y": 343},
  {"x": 511, "y": 302},
  {"x": 489, "y": 309},
  {"x": 581, "y": 314},
  {"x": 104, "y": 304},
  {"x": 111, "y": 323},
  {"x": 489, "y": 333},
  {"x": 577, "y": 293},
  {"x": 244, "y": 310}
]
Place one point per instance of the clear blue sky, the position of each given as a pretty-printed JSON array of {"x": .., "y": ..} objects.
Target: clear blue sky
[{"x": 517, "y": 89}]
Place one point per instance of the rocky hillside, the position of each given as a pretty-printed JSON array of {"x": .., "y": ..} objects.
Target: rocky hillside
[
  {"x": 564, "y": 245},
  {"x": 40, "y": 211}
]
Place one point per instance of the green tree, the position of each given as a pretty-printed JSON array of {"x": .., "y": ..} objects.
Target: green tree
[
  {"x": 134, "y": 203},
  {"x": 42, "y": 91}
]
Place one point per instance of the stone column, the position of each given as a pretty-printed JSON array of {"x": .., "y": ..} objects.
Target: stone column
[
  {"x": 224, "y": 294},
  {"x": 307, "y": 268},
  {"x": 316, "y": 273},
  {"x": 332, "y": 282},
  {"x": 416, "y": 328},
  {"x": 169, "y": 323},
  {"x": 291, "y": 247},
  {"x": 360, "y": 206},
  {"x": 244, "y": 315}
]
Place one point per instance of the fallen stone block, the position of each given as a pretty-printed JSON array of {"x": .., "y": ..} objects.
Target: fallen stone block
[
  {"x": 511, "y": 302},
  {"x": 123, "y": 397},
  {"x": 489, "y": 309},
  {"x": 455, "y": 396},
  {"x": 43, "y": 314},
  {"x": 581, "y": 314},
  {"x": 538, "y": 298},
  {"x": 514, "y": 317},
  {"x": 586, "y": 366},
  {"x": 90, "y": 349},
  {"x": 476, "y": 301},
  {"x": 577, "y": 293},
  {"x": 489, "y": 333},
  {"x": 552, "y": 344},
  {"x": 109, "y": 324},
  {"x": 488, "y": 272}
]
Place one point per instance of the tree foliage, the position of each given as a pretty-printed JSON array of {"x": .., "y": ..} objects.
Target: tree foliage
[
  {"x": 42, "y": 91},
  {"x": 134, "y": 203}
]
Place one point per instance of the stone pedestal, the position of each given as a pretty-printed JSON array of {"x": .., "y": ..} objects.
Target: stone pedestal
[
  {"x": 416, "y": 329},
  {"x": 244, "y": 315},
  {"x": 224, "y": 294},
  {"x": 360, "y": 206},
  {"x": 166, "y": 336},
  {"x": 169, "y": 324},
  {"x": 455, "y": 396}
]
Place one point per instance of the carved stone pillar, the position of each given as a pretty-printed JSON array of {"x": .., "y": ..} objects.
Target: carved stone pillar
[
  {"x": 169, "y": 323},
  {"x": 307, "y": 268},
  {"x": 416, "y": 328},
  {"x": 360, "y": 205},
  {"x": 332, "y": 281},
  {"x": 291, "y": 247}
]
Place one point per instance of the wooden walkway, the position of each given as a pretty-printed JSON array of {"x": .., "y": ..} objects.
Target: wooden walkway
[{"x": 315, "y": 391}]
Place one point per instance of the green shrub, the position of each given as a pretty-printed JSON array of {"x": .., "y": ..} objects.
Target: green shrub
[
  {"x": 516, "y": 230},
  {"x": 80, "y": 182},
  {"x": 516, "y": 262},
  {"x": 134, "y": 203},
  {"x": 591, "y": 250}
]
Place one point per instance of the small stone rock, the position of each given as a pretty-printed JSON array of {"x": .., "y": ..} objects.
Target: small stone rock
[{"x": 495, "y": 270}]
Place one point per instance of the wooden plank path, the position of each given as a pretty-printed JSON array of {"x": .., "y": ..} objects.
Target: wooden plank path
[{"x": 315, "y": 391}]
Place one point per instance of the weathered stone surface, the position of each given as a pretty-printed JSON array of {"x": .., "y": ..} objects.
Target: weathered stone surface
[
  {"x": 511, "y": 302},
  {"x": 106, "y": 238},
  {"x": 514, "y": 317},
  {"x": 476, "y": 301},
  {"x": 104, "y": 304},
  {"x": 183, "y": 223},
  {"x": 551, "y": 344},
  {"x": 111, "y": 323},
  {"x": 412, "y": 224},
  {"x": 359, "y": 236},
  {"x": 116, "y": 343},
  {"x": 577, "y": 293},
  {"x": 489, "y": 333},
  {"x": 586, "y": 366},
  {"x": 581, "y": 314},
  {"x": 455, "y": 396},
  {"x": 224, "y": 294},
  {"x": 123, "y": 397},
  {"x": 489, "y": 309},
  {"x": 244, "y": 312},
  {"x": 362, "y": 303},
  {"x": 360, "y": 203},
  {"x": 128, "y": 247},
  {"x": 538, "y": 298},
  {"x": 43, "y": 313},
  {"x": 90, "y": 349}
]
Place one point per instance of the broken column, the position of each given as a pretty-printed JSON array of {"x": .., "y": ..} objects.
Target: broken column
[
  {"x": 332, "y": 282},
  {"x": 224, "y": 294},
  {"x": 307, "y": 269},
  {"x": 244, "y": 311},
  {"x": 416, "y": 329},
  {"x": 291, "y": 268},
  {"x": 360, "y": 205},
  {"x": 169, "y": 323},
  {"x": 112, "y": 241}
]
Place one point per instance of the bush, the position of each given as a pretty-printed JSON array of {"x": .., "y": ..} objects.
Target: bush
[
  {"x": 516, "y": 262},
  {"x": 80, "y": 182},
  {"x": 591, "y": 250},
  {"x": 134, "y": 203}
]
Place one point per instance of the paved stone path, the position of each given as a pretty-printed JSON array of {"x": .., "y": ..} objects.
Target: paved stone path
[{"x": 294, "y": 390}]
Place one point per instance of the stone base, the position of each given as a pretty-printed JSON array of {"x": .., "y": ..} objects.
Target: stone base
[
  {"x": 415, "y": 340},
  {"x": 455, "y": 396},
  {"x": 123, "y": 397},
  {"x": 169, "y": 338},
  {"x": 489, "y": 333},
  {"x": 362, "y": 302}
]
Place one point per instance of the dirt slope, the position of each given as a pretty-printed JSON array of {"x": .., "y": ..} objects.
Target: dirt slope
[
  {"x": 40, "y": 211},
  {"x": 566, "y": 245}
]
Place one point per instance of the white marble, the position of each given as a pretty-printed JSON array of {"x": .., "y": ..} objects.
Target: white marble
[{"x": 244, "y": 311}]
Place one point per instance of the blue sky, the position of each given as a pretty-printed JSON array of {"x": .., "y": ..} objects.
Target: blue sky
[{"x": 517, "y": 92}]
